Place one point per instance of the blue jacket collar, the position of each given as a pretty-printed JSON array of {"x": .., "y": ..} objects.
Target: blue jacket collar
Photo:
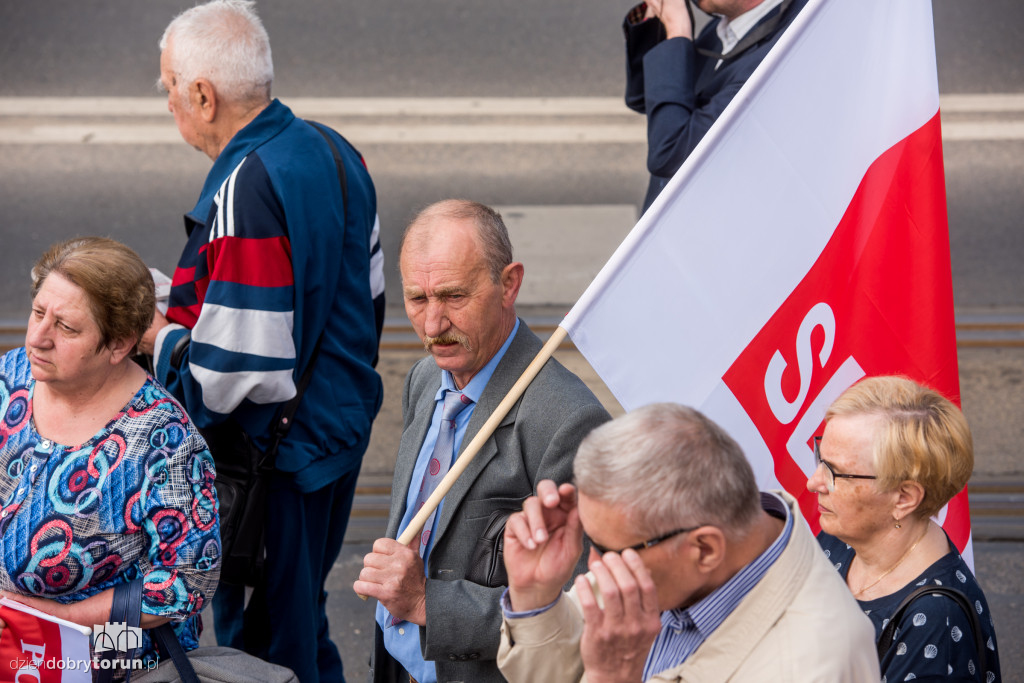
[{"x": 267, "y": 124}]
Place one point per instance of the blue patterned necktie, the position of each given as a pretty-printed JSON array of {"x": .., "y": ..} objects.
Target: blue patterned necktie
[
  {"x": 440, "y": 463},
  {"x": 440, "y": 459}
]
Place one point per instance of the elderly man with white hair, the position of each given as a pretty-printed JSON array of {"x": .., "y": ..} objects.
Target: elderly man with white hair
[
  {"x": 694, "y": 575},
  {"x": 281, "y": 274}
]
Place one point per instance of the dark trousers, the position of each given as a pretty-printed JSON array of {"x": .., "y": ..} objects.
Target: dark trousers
[
  {"x": 285, "y": 621},
  {"x": 383, "y": 667}
]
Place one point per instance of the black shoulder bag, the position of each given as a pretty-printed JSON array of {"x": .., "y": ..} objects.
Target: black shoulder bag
[
  {"x": 203, "y": 665},
  {"x": 885, "y": 640}
]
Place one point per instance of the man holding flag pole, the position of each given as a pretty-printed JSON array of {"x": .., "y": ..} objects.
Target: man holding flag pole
[{"x": 468, "y": 408}]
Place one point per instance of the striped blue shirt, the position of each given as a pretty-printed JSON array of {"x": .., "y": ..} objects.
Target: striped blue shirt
[{"x": 684, "y": 630}]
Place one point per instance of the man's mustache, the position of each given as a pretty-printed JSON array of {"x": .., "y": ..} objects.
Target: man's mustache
[{"x": 447, "y": 338}]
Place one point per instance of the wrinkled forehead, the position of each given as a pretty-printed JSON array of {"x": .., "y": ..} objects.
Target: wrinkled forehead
[
  {"x": 437, "y": 227},
  {"x": 443, "y": 276},
  {"x": 441, "y": 249},
  {"x": 66, "y": 298}
]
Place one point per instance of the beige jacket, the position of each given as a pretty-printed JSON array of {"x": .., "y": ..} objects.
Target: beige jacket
[{"x": 799, "y": 623}]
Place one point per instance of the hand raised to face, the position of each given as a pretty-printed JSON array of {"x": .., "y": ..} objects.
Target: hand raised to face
[
  {"x": 542, "y": 546},
  {"x": 674, "y": 15},
  {"x": 621, "y": 617}
]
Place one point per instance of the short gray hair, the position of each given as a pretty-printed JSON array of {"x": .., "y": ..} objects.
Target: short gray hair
[
  {"x": 490, "y": 229},
  {"x": 666, "y": 466},
  {"x": 224, "y": 42}
]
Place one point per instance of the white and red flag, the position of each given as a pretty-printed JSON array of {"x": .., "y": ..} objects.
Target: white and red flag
[
  {"x": 38, "y": 648},
  {"x": 802, "y": 246}
]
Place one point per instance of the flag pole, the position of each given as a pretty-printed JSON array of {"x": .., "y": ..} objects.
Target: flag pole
[{"x": 462, "y": 462}]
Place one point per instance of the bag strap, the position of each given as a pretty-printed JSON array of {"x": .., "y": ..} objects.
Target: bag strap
[
  {"x": 121, "y": 612},
  {"x": 338, "y": 161},
  {"x": 754, "y": 36},
  {"x": 378, "y": 302},
  {"x": 126, "y": 596},
  {"x": 284, "y": 420},
  {"x": 885, "y": 640},
  {"x": 168, "y": 644},
  {"x": 126, "y": 609}
]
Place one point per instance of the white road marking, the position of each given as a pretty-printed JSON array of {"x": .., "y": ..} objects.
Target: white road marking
[
  {"x": 425, "y": 106},
  {"x": 166, "y": 134},
  {"x": 487, "y": 120},
  {"x": 332, "y": 106},
  {"x": 961, "y": 131}
]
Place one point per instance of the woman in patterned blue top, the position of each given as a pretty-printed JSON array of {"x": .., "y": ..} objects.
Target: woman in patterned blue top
[
  {"x": 103, "y": 478},
  {"x": 893, "y": 453}
]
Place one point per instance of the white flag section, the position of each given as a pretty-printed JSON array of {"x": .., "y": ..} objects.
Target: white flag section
[{"x": 802, "y": 245}]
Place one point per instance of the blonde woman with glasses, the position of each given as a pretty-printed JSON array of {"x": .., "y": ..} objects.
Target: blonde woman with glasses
[{"x": 892, "y": 455}]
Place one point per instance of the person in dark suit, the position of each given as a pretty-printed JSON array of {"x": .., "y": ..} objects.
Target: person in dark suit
[
  {"x": 683, "y": 85},
  {"x": 436, "y": 620}
]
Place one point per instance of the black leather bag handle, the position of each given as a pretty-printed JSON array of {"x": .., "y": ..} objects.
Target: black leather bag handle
[
  {"x": 127, "y": 609},
  {"x": 885, "y": 640}
]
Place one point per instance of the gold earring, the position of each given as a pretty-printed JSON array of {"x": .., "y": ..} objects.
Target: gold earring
[{"x": 898, "y": 525}]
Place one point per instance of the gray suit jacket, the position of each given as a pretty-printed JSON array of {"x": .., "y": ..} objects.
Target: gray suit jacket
[{"x": 536, "y": 440}]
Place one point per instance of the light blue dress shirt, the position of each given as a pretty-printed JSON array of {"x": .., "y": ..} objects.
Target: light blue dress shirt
[{"x": 403, "y": 639}]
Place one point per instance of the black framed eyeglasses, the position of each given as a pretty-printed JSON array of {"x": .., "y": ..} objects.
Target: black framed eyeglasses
[
  {"x": 830, "y": 474},
  {"x": 646, "y": 544}
]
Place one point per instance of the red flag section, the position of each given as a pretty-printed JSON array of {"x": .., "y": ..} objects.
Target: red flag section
[
  {"x": 35, "y": 650},
  {"x": 31, "y": 646},
  {"x": 877, "y": 301}
]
